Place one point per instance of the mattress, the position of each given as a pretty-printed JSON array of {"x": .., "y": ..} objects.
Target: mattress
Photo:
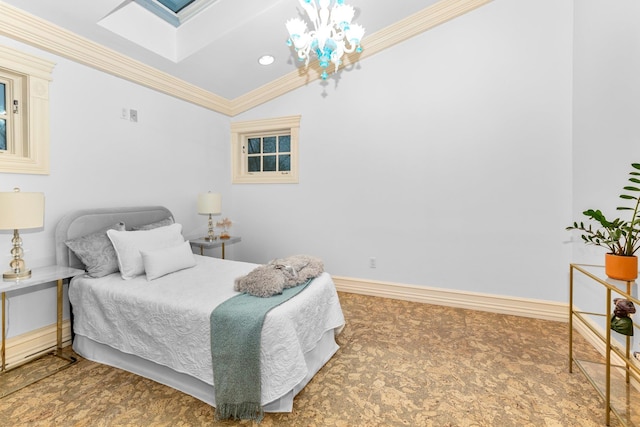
[{"x": 164, "y": 325}]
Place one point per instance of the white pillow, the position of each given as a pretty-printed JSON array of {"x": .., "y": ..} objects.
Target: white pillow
[
  {"x": 160, "y": 262},
  {"x": 128, "y": 245}
]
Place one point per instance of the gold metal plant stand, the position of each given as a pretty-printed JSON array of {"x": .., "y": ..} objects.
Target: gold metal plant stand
[{"x": 617, "y": 379}]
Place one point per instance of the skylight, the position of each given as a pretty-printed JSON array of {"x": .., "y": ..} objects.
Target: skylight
[
  {"x": 176, "y": 6},
  {"x": 175, "y": 12},
  {"x": 176, "y": 36}
]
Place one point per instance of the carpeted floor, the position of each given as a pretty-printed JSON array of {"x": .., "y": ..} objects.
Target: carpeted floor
[{"x": 400, "y": 364}]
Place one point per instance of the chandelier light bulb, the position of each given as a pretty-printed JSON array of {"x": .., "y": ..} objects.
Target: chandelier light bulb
[{"x": 332, "y": 34}]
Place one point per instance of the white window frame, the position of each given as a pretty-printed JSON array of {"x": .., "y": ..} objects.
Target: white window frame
[
  {"x": 14, "y": 91},
  {"x": 28, "y": 129},
  {"x": 240, "y": 131}
]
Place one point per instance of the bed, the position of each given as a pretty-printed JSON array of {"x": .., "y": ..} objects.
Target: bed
[{"x": 160, "y": 329}]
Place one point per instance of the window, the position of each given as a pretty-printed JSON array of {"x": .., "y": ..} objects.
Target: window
[
  {"x": 265, "y": 151},
  {"x": 24, "y": 112},
  {"x": 269, "y": 153},
  {"x": 11, "y": 123}
]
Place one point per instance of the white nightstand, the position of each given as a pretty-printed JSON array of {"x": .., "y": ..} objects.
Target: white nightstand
[
  {"x": 39, "y": 276},
  {"x": 209, "y": 244}
]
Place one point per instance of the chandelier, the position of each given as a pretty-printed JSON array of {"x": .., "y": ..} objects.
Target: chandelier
[{"x": 332, "y": 36}]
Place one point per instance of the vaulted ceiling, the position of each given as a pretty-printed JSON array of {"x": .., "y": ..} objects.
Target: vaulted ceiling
[{"x": 209, "y": 56}]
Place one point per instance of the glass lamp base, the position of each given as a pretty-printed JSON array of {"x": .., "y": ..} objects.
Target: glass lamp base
[{"x": 16, "y": 275}]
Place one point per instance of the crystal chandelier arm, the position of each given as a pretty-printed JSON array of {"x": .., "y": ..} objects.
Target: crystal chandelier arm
[
  {"x": 341, "y": 16},
  {"x": 310, "y": 7},
  {"x": 353, "y": 35},
  {"x": 297, "y": 32},
  {"x": 324, "y": 17}
]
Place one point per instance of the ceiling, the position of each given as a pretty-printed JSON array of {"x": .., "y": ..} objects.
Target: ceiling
[{"x": 217, "y": 49}]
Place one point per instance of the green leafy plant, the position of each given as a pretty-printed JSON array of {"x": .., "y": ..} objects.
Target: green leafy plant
[{"x": 619, "y": 236}]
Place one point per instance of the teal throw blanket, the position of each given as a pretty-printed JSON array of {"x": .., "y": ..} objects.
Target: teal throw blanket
[{"x": 236, "y": 328}]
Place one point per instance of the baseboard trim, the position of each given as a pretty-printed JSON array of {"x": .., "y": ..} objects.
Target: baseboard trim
[
  {"x": 23, "y": 348},
  {"x": 538, "y": 309}
]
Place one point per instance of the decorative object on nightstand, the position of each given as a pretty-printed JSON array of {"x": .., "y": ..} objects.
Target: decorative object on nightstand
[
  {"x": 18, "y": 211},
  {"x": 225, "y": 224},
  {"x": 210, "y": 204}
]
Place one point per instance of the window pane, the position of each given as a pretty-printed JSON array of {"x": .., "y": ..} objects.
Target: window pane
[
  {"x": 254, "y": 145},
  {"x": 176, "y": 5},
  {"x": 285, "y": 143},
  {"x": 284, "y": 162},
  {"x": 3, "y": 134},
  {"x": 269, "y": 164},
  {"x": 3, "y": 101},
  {"x": 269, "y": 144},
  {"x": 254, "y": 164}
]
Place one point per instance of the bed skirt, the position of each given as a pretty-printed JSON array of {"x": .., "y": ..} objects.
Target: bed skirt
[{"x": 101, "y": 353}]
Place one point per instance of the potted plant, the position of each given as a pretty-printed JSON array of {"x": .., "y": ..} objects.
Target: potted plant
[{"x": 620, "y": 237}]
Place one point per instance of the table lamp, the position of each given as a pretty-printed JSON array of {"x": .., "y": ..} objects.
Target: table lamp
[
  {"x": 20, "y": 211},
  {"x": 210, "y": 204}
]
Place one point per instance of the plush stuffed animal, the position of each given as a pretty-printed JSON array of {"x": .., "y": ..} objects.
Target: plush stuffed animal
[{"x": 279, "y": 274}]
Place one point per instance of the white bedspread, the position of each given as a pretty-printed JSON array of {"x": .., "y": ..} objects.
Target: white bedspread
[{"x": 167, "y": 320}]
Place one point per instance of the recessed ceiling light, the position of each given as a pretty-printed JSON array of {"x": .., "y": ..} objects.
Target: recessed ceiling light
[{"x": 266, "y": 60}]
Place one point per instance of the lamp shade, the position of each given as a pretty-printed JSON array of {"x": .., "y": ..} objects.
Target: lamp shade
[
  {"x": 209, "y": 203},
  {"x": 20, "y": 210}
]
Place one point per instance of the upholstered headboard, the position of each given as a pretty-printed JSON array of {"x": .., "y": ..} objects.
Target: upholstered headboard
[{"x": 82, "y": 222}]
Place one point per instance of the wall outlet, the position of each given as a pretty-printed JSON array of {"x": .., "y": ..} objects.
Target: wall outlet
[
  {"x": 133, "y": 115},
  {"x": 124, "y": 115},
  {"x": 372, "y": 262}
]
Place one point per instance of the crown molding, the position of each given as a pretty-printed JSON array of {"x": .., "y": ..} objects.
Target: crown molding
[
  {"x": 418, "y": 23},
  {"x": 24, "y": 27}
]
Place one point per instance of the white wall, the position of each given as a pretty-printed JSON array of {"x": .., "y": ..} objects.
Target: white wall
[
  {"x": 99, "y": 160},
  {"x": 448, "y": 158},
  {"x": 606, "y": 98},
  {"x": 605, "y": 122}
]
